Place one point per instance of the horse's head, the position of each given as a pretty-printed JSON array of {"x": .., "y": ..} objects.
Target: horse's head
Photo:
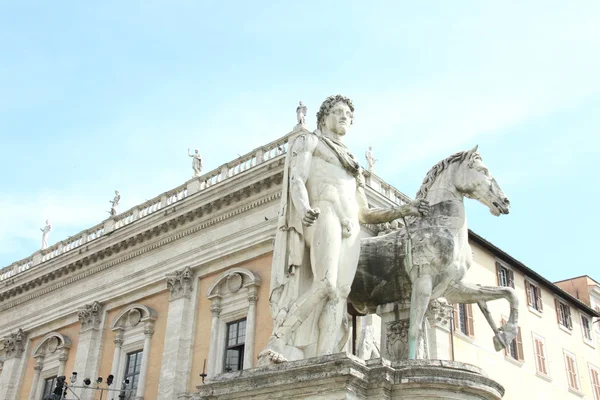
[{"x": 474, "y": 180}]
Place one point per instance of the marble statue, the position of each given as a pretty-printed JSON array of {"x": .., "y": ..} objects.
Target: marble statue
[
  {"x": 429, "y": 258},
  {"x": 115, "y": 203},
  {"x": 317, "y": 244},
  {"x": 301, "y": 113},
  {"x": 45, "y": 232},
  {"x": 370, "y": 159},
  {"x": 196, "y": 162}
]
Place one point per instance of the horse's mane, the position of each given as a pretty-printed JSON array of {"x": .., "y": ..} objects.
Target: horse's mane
[{"x": 437, "y": 169}]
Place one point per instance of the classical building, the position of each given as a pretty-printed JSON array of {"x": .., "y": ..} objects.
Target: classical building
[{"x": 176, "y": 290}]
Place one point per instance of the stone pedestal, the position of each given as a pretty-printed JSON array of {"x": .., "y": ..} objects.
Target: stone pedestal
[{"x": 342, "y": 376}]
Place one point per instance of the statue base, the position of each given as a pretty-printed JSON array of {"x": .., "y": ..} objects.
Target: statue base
[{"x": 342, "y": 376}]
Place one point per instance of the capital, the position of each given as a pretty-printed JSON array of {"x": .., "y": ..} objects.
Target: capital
[
  {"x": 179, "y": 284},
  {"x": 14, "y": 344},
  {"x": 90, "y": 316}
]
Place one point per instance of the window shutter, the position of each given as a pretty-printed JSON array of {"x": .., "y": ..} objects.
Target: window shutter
[
  {"x": 498, "y": 269},
  {"x": 511, "y": 278},
  {"x": 568, "y": 315},
  {"x": 558, "y": 311},
  {"x": 528, "y": 292},
  {"x": 520, "y": 355},
  {"x": 470, "y": 320},
  {"x": 538, "y": 298}
]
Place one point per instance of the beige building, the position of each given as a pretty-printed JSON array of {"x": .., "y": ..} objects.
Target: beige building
[{"x": 179, "y": 286}]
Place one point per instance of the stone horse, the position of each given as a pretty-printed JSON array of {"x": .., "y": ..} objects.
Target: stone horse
[{"x": 429, "y": 257}]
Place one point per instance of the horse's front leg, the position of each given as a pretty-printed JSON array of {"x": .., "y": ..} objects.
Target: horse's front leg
[
  {"x": 421, "y": 294},
  {"x": 464, "y": 292}
]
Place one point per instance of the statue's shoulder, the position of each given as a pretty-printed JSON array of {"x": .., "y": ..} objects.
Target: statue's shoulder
[{"x": 306, "y": 142}]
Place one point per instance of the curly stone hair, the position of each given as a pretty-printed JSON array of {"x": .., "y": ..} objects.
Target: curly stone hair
[{"x": 328, "y": 104}]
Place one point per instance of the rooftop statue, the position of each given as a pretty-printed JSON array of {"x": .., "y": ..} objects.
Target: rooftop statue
[
  {"x": 115, "y": 203},
  {"x": 301, "y": 113},
  {"x": 196, "y": 162},
  {"x": 370, "y": 159},
  {"x": 45, "y": 232},
  {"x": 317, "y": 244}
]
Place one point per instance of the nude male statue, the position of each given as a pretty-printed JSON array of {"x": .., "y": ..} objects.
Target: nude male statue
[{"x": 317, "y": 245}]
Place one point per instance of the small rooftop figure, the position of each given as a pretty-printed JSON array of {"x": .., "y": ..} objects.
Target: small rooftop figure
[
  {"x": 370, "y": 159},
  {"x": 45, "y": 232},
  {"x": 196, "y": 162},
  {"x": 115, "y": 203},
  {"x": 301, "y": 113}
]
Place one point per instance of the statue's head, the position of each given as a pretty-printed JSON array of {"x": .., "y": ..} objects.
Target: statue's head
[
  {"x": 116, "y": 192},
  {"x": 336, "y": 114},
  {"x": 301, "y": 103},
  {"x": 196, "y": 151}
]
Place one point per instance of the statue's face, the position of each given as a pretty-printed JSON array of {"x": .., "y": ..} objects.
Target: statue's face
[{"x": 339, "y": 118}]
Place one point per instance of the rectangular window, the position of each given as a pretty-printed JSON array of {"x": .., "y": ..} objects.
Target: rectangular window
[
  {"x": 132, "y": 369},
  {"x": 234, "y": 350},
  {"x": 515, "y": 348},
  {"x": 563, "y": 314},
  {"x": 534, "y": 296},
  {"x": 49, "y": 386},
  {"x": 539, "y": 347},
  {"x": 571, "y": 365},
  {"x": 586, "y": 328},
  {"x": 595, "y": 381},
  {"x": 505, "y": 276},
  {"x": 463, "y": 319}
]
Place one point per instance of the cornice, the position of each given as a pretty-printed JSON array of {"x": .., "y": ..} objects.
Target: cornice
[{"x": 157, "y": 230}]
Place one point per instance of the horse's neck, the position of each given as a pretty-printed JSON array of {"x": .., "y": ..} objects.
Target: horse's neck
[{"x": 446, "y": 201}]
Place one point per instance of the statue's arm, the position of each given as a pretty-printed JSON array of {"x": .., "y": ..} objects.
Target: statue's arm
[
  {"x": 301, "y": 157},
  {"x": 368, "y": 215}
]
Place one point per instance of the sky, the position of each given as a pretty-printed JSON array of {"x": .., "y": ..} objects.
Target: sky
[{"x": 104, "y": 95}]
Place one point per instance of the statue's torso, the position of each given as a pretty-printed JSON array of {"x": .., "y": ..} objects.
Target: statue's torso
[{"x": 329, "y": 182}]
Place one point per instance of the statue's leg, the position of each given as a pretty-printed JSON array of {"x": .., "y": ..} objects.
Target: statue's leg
[
  {"x": 421, "y": 294},
  {"x": 326, "y": 253}
]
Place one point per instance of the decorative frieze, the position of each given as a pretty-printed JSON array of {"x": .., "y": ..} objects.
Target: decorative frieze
[
  {"x": 90, "y": 316},
  {"x": 14, "y": 344},
  {"x": 179, "y": 284}
]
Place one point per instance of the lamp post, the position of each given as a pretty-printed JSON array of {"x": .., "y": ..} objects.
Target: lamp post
[{"x": 62, "y": 388}]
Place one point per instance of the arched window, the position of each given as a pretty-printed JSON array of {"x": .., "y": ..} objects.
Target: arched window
[{"x": 51, "y": 354}]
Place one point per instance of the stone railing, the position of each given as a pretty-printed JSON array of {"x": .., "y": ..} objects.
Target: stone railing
[
  {"x": 387, "y": 190},
  {"x": 180, "y": 193}
]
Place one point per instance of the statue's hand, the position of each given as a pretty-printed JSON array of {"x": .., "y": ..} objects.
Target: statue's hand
[
  {"x": 311, "y": 216},
  {"x": 418, "y": 208}
]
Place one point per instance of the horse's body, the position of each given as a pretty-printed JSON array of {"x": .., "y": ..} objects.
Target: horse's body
[{"x": 438, "y": 256}]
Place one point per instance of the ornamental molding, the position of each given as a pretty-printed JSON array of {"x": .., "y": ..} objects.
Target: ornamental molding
[
  {"x": 155, "y": 231},
  {"x": 90, "y": 316},
  {"x": 179, "y": 283}
]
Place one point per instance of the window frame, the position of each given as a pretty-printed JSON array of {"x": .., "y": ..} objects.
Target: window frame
[
  {"x": 139, "y": 356},
  {"x": 52, "y": 387},
  {"x": 467, "y": 314},
  {"x": 516, "y": 344},
  {"x": 533, "y": 293},
  {"x": 589, "y": 340},
  {"x": 543, "y": 356},
  {"x": 509, "y": 275},
  {"x": 572, "y": 375},
  {"x": 564, "y": 317},
  {"x": 236, "y": 346},
  {"x": 593, "y": 370}
]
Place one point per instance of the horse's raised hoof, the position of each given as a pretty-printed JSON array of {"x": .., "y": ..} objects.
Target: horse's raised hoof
[{"x": 270, "y": 357}]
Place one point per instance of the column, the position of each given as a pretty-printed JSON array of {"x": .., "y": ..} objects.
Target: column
[
  {"x": 10, "y": 379},
  {"x": 114, "y": 369},
  {"x": 177, "y": 351},
  {"x": 215, "y": 309},
  {"x": 37, "y": 369},
  {"x": 88, "y": 350},
  {"x": 250, "y": 327},
  {"x": 62, "y": 360},
  {"x": 148, "y": 332}
]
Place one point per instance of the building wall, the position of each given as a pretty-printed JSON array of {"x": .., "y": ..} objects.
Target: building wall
[{"x": 521, "y": 379}]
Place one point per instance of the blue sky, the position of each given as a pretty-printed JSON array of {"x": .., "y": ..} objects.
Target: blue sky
[{"x": 97, "y": 96}]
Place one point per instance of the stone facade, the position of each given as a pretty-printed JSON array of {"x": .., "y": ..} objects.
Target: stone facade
[{"x": 175, "y": 272}]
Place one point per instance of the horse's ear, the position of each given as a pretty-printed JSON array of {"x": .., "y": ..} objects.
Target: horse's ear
[{"x": 474, "y": 149}]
